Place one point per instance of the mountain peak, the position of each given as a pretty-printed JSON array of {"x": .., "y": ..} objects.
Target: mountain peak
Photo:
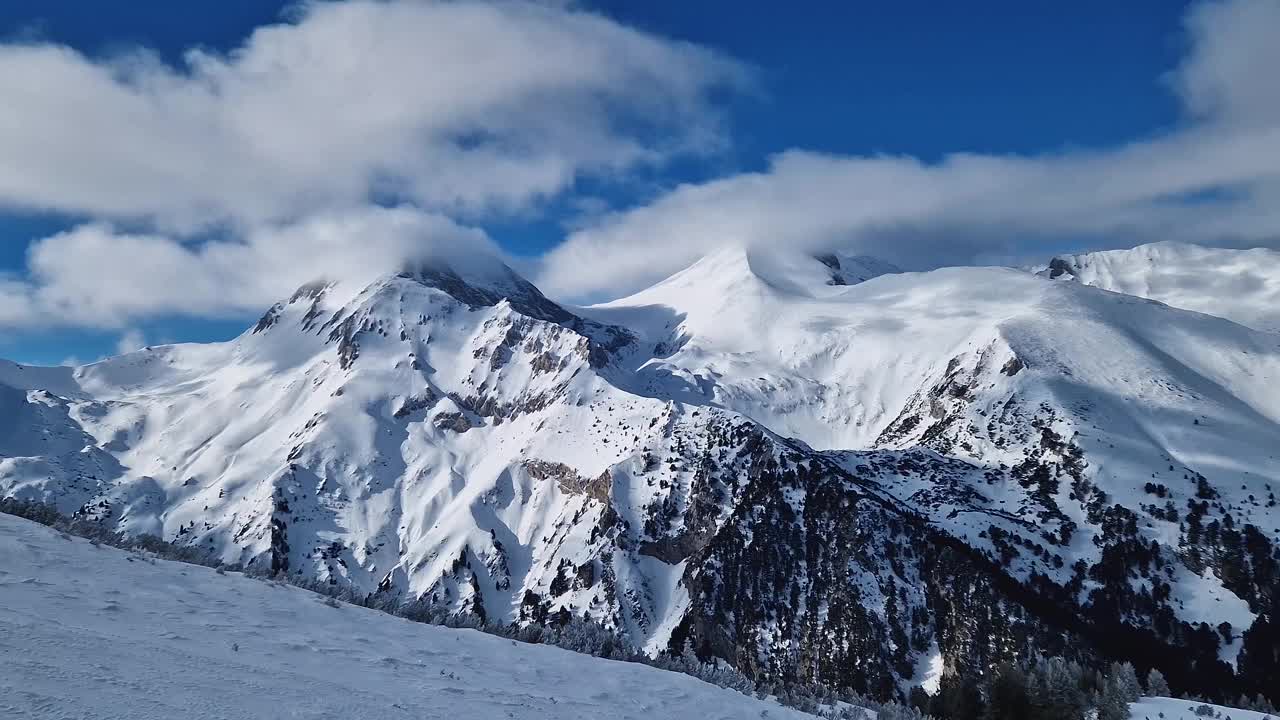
[
  {"x": 853, "y": 269},
  {"x": 484, "y": 285},
  {"x": 736, "y": 272},
  {"x": 1240, "y": 285},
  {"x": 476, "y": 280}
]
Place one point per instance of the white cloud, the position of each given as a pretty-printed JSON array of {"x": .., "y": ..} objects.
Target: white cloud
[
  {"x": 95, "y": 276},
  {"x": 131, "y": 340},
  {"x": 1215, "y": 179},
  {"x": 461, "y": 107},
  {"x": 1230, "y": 77}
]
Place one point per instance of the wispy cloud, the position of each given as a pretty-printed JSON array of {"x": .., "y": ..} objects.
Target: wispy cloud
[
  {"x": 460, "y": 107},
  {"x": 289, "y": 150},
  {"x": 457, "y": 111},
  {"x": 96, "y": 276},
  {"x": 1214, "y": 179},
  {"x": 131, "y": 340}
]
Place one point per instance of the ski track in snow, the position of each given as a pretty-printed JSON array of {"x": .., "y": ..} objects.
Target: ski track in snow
[{"x": 93, "y": 633}]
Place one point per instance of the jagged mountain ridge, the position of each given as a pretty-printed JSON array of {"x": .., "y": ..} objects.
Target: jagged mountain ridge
[{"x": 652, "y": 462}]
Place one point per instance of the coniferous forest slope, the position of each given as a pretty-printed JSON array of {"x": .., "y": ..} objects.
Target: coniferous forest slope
[{"x": 817, "y": 469}]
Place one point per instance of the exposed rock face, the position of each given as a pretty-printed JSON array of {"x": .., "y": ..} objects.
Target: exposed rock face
[
  {"x": 567, "y": 479},
  {"x": 1059, "y": 267},
  {"x": 853, "y": 269},
  {"x": 313, "y": 292},
  {"x": 455, "y": 422}
]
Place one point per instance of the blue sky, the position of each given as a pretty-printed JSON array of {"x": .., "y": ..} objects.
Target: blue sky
[
  {"x": 845, "y": 77},
  {"x": 928, "y": 78},
  {"x": 783, "y": 96}
]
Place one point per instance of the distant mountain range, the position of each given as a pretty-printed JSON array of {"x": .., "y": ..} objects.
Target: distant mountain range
[{"x": 816, "y": 468}]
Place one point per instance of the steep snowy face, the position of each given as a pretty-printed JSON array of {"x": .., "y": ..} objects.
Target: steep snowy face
[
  {"x": 417, "y": 393},
  {"x": 1240, "y": 285},
  {"x": 770, "y": 337}
]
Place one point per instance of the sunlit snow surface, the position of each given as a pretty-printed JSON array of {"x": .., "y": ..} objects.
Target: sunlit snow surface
[
  {"x": 1240, "y": 285},
  {"x": 92, "y": 632},
  {"x": 1160, "y": 708}
]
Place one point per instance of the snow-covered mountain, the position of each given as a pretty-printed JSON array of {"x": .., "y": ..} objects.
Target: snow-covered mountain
[
  {"x": 1240, "y": 285},
  {"x": 816, "y": 468}
]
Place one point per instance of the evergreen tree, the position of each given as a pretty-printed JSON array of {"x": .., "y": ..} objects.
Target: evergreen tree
[
  {"x": 893, "y": 711},
  {"x": 957, "y": 699},
  {"x": 1120, "y": 689},
  {"x": 1259, "y": 658},
  {"x": 1058, "y": 690},
  {"x": 1156, "y": 684},
  {"x": 919, "y": 699},
  {"x": 1008, "y": 697}
]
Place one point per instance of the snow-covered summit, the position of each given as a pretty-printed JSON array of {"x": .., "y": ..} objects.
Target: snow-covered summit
[
  {"x": 1240, "y": 285},
  {"x": 849, "y": 269}
]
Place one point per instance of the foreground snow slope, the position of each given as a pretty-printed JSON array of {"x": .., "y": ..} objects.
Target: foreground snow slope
[
  {"x": 95, "y": 632},
  {"x": 1162, "y": 708},
  {"x": 1240, "y": 285}
]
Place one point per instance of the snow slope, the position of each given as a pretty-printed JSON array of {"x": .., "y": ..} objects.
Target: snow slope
[
  {"x": 1240, "y": 285},
  {"x": 835, "y": 365},
  {"x": 1161, "y": 708},
  {"x": 92, "y": 632}
]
